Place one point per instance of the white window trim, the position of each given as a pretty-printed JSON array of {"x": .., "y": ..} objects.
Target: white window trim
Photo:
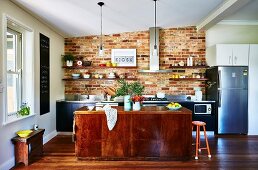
[{"x": 28, "y": 68}]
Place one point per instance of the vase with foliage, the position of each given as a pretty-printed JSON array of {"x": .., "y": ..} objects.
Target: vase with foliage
[
  {"x": 68, "y": 58},
  {"x": 137, "y": 101},
  {"x": 128, "y": 90}
]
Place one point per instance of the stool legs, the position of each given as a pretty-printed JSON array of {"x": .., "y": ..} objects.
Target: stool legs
[
  {"x": 207, "y": 144},
  {"x": 198, "y": 141}
]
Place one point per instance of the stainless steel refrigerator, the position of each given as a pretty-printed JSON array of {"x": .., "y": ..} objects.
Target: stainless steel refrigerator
[{"x": 228, "y": 86}]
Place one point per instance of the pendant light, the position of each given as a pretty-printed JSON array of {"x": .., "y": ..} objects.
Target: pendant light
[
  {"x": 101, "y": 49},
  {"x": 155, "y": 50}
]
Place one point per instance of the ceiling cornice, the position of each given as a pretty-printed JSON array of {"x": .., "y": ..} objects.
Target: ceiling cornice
[
  {"x": 56, "y": 30},
  {"x": 225, "y": 9}
]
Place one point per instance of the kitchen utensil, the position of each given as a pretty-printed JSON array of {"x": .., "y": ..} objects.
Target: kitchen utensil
[
  {"x": 110, "y": 91},
  {"x": 108, "y": 97}
]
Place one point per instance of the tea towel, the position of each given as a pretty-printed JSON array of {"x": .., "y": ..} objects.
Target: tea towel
[{"x": 111, "y": 115}]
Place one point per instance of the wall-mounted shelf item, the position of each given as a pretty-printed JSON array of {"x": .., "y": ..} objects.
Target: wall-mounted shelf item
[
  {"x": 100, "y": 67},
  {"x": 190, "y": 67},
  {"x": 188, "y": 79},
  {"x": 88, "y": 79}
]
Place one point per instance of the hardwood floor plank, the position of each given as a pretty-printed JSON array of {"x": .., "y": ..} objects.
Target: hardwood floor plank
[{"x": 228, "y": 152}]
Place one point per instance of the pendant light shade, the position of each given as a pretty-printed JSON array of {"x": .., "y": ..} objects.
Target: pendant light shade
[
  {"x": 155, "y": 49},
  {"x": 101, "y": 49}
]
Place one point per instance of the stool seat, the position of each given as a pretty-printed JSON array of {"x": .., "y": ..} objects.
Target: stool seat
[{"x": 198, "y": 125}]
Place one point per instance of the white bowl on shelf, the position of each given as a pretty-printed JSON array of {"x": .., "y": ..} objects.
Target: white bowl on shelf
[
  {"x": 86, "y": 76},
  {"x": 75, "y": 75}
]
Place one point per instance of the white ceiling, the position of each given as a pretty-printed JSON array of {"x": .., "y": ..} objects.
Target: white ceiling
[{"x": 72, "y": 18}]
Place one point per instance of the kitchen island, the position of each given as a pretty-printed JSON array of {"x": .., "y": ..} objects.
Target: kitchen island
[{"x": 153, "y": 133}]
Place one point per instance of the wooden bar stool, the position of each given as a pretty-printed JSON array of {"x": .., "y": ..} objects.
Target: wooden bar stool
[{"x": 198, "y": 125}]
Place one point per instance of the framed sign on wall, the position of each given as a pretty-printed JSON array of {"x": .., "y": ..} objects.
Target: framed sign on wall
[
  {"x": 44, "y": 74},
  {"x": 124, "y": 57}
]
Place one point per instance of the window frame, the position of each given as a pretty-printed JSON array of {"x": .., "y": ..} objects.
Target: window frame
[
  {"x": 28, "y": 77},
  {"x": 18, "y": 69}
]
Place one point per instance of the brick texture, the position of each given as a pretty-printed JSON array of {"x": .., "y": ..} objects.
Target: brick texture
[{"x": 176, "y": 44}]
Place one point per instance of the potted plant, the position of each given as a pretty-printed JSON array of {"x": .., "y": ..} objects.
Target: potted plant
[
  {"x": 127, "y": 90},
  {"x": 137, "y": 97},
  {"x": 68, "y": 58},
  {"x": 24, "y": 110}
]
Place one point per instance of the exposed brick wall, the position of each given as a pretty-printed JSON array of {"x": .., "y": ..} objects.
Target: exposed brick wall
[{"x": 176, "y": 44}]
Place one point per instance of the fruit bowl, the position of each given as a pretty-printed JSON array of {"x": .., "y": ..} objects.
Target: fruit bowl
[
  {"x": 24, "y": 133},
  {"x": 174, "y": 108}
]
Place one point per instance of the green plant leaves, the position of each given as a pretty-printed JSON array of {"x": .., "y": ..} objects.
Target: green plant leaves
[{"x": 135, "y": 88}]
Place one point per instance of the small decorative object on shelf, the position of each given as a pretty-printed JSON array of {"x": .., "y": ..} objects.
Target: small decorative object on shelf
[
  {"x": 68, "y": 58},
  {"x": 79, "y": 63},
  {"x": 86, "y": 63},
  {"x": 24, "y": 110}
]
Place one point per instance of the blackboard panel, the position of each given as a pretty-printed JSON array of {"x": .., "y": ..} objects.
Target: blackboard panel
[{"x": 44, "y": 75}]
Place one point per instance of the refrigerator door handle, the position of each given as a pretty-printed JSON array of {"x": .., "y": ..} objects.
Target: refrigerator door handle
[
  {"x": 219, "y": 98},
  {"x": 219, "y": 78}
]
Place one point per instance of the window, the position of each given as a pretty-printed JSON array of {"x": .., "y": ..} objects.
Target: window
[
  {"x": 14, "y": 71},
  {"x": 18, "y": 67}
]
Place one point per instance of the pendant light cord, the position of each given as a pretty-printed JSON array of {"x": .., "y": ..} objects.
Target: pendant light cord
[
  {"x": 155, "y": 18},
  {"x": 101, "y": 4},
  {"x": 101, "y": 27}
]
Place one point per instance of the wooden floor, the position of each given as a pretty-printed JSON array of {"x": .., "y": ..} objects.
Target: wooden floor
[{"x": 228, "y": 152}]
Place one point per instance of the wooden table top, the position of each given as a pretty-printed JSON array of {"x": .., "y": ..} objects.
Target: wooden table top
[{"x": 144, "y": 110}]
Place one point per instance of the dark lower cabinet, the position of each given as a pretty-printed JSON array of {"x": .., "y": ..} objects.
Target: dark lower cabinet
[
  {"x": 209, "y": 119},
  {"x": 64, "y": 115}
]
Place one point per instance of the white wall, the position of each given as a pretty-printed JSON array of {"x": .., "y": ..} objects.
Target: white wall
[
  {"x": 240, "y": 34},
  {"x": 232, "y": 34},
  {"x": 47, "y": 121},
  {"x": 253, "y": 93}
]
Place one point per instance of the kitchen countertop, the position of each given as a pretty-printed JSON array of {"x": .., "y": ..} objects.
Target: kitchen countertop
[
  {"x": 171, "y": 98},
  {"x": 85, "y": 101},
  {"x": 77, "y": 101}
]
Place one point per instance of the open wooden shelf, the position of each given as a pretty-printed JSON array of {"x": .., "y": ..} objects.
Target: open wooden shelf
[
  {"x": 186, "y": 67},
  {"x": 188, "y": 79},
  {"x": 88, "y": 79},
  {"x": 99, "y": 67}
]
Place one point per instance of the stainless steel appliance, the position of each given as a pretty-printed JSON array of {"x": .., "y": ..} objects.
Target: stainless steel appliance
[
  {"x": 228, "y": 85},
  {"x": 202, "y": 109}
]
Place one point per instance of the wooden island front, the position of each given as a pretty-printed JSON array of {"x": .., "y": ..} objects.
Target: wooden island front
[{"x": 153, "y": 133}]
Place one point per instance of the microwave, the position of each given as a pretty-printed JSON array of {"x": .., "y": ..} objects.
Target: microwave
[{"x": 202, "y": 109}]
